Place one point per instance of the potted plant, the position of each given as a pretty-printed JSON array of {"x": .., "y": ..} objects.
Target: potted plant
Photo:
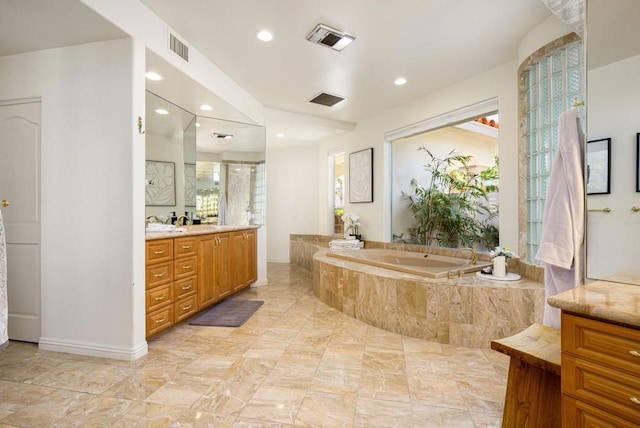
[{"x": 448, "y": 209}]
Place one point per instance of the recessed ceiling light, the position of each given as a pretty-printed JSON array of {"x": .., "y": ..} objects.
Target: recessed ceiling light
[
  {"x": 279, "y": 135},
  {"x": 400, "y": 81},
  {"x": 162, "y": 111},
  {"x": 197, "y": 125},
  {"x": 152, "y": 75},
  {"x": 206, "y": 107},
  {"x": 264, "y": 35}
]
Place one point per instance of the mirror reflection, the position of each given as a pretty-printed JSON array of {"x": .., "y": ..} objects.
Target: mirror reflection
[
  {"x": 171, "y": 159},
  {"x": 230, "y": 172},
  {"x": 613, "y": 62}
]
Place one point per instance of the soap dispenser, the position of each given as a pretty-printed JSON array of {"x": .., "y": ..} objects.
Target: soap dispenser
[{"x": 174, "y": 218}]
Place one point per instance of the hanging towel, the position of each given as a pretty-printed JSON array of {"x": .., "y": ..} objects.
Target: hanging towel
[
  {"x": 4, "y": 302},
  {"x": 222, "y": 210},
  {"x": 562, "y": 242}
]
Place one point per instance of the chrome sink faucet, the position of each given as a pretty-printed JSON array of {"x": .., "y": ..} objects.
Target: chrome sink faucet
[{"x": 474, "y": 255}]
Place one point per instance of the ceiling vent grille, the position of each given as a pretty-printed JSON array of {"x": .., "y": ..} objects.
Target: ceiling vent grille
[
  {"x": 330, "y": 37},
  {"x": 179, "y": 48},
  {"x": 326, "y": 99}
]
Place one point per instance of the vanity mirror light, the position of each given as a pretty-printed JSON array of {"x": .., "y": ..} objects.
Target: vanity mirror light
[{"x": 613, "y": 100}]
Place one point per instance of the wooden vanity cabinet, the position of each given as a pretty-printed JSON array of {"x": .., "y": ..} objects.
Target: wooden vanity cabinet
[
  {"x": 187, "y": 274},
  {"x": 600, "y": 373},
  {"x": 159, "y": 286},
  {"x": 243, "y": 263}
]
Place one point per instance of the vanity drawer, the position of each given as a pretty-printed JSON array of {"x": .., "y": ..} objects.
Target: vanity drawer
[
  {"x": 611, "y": 390},
  {"x": 581, "y": 415},
  {"x": 185, "y": 287},
  {"x": 159, "y": 274},
  {"x": 185, "y": 247},
  {"x": 159, "y": 297},
  {"x": 185, "y": 308},
  {"x": 159, "y": 320},
  {"x": 612, "y": 345},
  {"x": 185, "y": 267},
  {"x": 159, "y": 251}
]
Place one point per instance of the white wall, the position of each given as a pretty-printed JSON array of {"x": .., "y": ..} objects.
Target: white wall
[
  {"x": 614, "y": 91},
  {"x": 500, "y": 82},
  {"x": 92, "y": 274},
  {"x": 292, "y": 201}
]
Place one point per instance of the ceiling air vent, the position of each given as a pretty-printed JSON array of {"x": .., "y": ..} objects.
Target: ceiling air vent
[
  {"x": 326, "y": 99},
  {"x": 330, "y": 37},
  {"x": 179, "y": 48}
]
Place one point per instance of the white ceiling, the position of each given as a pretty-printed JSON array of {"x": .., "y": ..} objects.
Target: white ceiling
[{"x": 432, "y": 43}]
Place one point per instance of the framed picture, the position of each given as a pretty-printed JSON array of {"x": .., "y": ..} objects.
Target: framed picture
[
  {"x": 638, "y": 162},
  {"x": 599, "y": 166},
  {"x": 161, "y": 183},
  {"x": 361, "y": 176},
  {"x": 190, "y": 185}
]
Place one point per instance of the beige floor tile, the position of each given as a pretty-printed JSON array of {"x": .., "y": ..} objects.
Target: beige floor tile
[
  {"x": 274, "y": 404},
  {"x": 315, "y": 409},
  {"x": 296, "y": 361}
]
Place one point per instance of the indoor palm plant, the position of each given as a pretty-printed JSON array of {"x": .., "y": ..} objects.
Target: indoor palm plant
[{"x": 448, "y": 210}]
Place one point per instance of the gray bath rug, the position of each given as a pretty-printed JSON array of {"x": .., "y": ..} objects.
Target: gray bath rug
[{"x": 228, "y": 313}]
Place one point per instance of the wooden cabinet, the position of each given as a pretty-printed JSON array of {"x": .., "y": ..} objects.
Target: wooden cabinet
[
  {"x": 243, "y": 263},
  {"x": 171, "y": 269},
  {"x": 190, "y": 273},
  {"x": 600, "y": 373}
]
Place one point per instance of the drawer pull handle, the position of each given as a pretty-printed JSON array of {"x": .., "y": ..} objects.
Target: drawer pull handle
[
  {"x": 635, "y": 353},
  {"x": 161, "y": 320},
  {"x": 186, "y": 308},
  {"x": 186, "y": 267},
  {"x": 159, "y": 275},
  {"x": 160, "y": 298},
  {"x": 160, "y": 252},
  {"x": 635, "y": 400},
  {"x": 186, "y": 247},
  {"x": 187, "y": 287}
]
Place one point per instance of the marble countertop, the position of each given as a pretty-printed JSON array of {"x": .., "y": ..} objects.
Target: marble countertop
[
  {"x": 606, "y": 300},
  {"x": 197, "y": 229}
]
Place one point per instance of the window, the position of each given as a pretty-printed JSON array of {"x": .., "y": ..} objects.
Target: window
[{"x": 550, "y": 85}]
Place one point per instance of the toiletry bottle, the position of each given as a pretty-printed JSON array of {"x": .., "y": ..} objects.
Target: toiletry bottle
[
  {"x": 184, "y": 220},
  {"x": 174, "y": 219}
]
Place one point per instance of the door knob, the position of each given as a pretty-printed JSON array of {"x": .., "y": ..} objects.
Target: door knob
[{"x": 4, "y": 203}]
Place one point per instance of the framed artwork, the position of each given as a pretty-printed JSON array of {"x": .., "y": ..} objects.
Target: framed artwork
[
  {"x": 599, "y": 166},
  {"x": 190, "y": 185},
  {"x": 161, "y": 183},
  {"x": 361, "y": 176},
  {"x": 638, "y": 162}
]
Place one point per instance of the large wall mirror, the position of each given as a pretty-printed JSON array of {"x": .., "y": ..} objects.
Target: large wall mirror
[
  {"x": 193, "y": 163},
  {"x": 613, "y": 100}
]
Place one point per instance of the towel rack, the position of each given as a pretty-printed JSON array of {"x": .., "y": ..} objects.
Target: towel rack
[{"x": 603, "y": 210}]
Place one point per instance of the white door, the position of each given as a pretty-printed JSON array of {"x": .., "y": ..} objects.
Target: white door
[{"x": 20, "y": 185}]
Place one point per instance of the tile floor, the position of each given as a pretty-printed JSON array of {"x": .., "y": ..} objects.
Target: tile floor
[{"x": 296, "y": 362}]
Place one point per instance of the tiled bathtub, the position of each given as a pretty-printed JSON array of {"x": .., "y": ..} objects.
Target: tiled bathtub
[{"x": 467, "y": 311}]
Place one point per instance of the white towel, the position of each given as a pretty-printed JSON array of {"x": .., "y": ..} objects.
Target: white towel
[
  {"x": 4, "y": 301},
  {"x": 562, "y": 242},
  {"x": 344, "y": 244},
  {"x": 222, "y": 210}
]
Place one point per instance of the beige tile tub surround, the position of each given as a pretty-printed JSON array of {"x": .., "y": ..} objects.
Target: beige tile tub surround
[
  {"x": 296, "y": 362},
  {"x": 464, "y": 311}
]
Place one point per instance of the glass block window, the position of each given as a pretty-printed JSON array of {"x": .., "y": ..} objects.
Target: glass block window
[{"x": 551, "y": 86}]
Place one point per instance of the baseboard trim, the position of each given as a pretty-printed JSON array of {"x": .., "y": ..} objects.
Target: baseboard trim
[
  {"x": 260, "y": 283},
  {"x": 93, "y": 349}
]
